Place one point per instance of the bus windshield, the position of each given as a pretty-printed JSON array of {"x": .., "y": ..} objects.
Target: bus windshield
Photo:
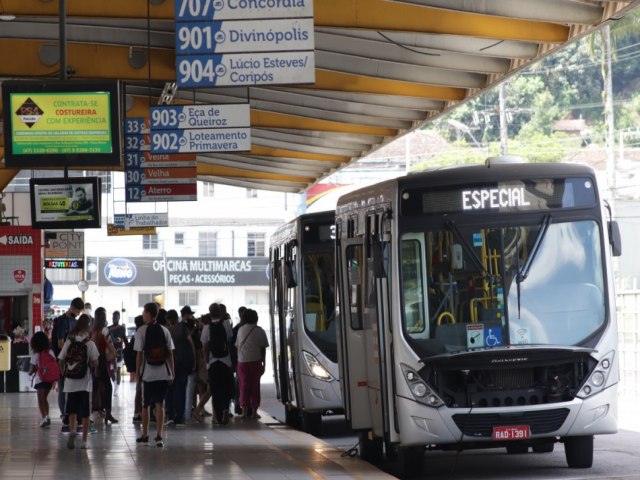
[
  {"x": 319, "y": 301},
  {"x": 481, "y": 286}
]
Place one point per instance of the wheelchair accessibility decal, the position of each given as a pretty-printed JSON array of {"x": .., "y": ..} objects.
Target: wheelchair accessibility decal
[{"x": 479, "y": 336}]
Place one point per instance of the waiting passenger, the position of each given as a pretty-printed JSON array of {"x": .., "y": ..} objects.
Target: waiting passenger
[
  {"x": 215, "y": 344},
  {"x": 252, "y": 346},
  {"x": 79, "y": 353}
]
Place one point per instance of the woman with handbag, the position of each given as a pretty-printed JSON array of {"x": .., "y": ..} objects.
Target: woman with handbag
[{"x": 252, "y": 344}]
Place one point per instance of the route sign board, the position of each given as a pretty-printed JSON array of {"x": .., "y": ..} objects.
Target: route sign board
[
  {"x": 213, "y": 38},
  {"x": 201, "y": 140},
  {"x": 277, "y": 35},
  {"x": 162, "y": 193},
  {"x": 224, "y": 70},
  {"x": 131, "y": 220},
  {"x": 200, "y": 116},
  {"x": 202, "y": 10}
]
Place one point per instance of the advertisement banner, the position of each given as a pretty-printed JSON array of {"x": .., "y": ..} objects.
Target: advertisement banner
[
  {"x": 61, "y": 122},
  {"x": 182, "y": 271}
]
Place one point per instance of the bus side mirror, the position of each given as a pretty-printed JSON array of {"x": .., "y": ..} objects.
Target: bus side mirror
[
  {"x": 290, "y": 274},
  {"x": 615, "y": 238}
]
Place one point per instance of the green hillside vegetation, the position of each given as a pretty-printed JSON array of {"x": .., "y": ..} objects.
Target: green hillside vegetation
[{"x": 566, "y": 85}]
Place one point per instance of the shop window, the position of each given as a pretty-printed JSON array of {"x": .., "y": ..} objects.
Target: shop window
[
  {"x": 208, "y": 244},
  {"x": 149, "y": 242},
  {"x": 255, "y": 244},
  {"x": 188, "y": 297}
]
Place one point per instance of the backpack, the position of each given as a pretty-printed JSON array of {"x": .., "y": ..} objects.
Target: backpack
[
  {"x": 54, "y": 332},
  {"x": 76, "y": 361},
  {"x": 155, "y": 345},
  {"x": 48, "y": 369},
  {"x": 183, "y": 353},
  {"x": 218, "y": 342}
]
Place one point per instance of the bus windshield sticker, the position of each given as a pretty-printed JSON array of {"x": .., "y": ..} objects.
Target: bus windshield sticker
[
  {"x": 475, "y": 335},
  {"x": 477, "y": 239}
]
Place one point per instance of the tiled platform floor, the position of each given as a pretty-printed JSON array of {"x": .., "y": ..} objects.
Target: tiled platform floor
[{"x": 244, "y": 449}]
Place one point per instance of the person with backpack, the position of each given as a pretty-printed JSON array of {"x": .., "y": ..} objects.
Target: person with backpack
[
  {"x": 44, "y": 368},
  {"x": 78, "y": 356},
  {"x": 62, "y": 325},
  {"x": 215, "y": 339},
  {"x": 154, "y": 368},
  {"x": 185, "y": 362}
]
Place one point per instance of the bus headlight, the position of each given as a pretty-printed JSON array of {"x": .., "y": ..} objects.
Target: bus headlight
[
  {"x": 419, "y": 388},
  {"x": 597, "y": 381},
  {"x": 315, "y": 368}
]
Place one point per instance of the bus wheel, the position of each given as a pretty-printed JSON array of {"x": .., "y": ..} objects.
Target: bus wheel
[
  {"x": 411, "y": 461},
  {"x": 579, "y": 451},
  {"x": 370, "y": 449},
  {"x": 517, "y": 448},
  {"x": 543, "y": 447},
  {"x": 312, "y": 423},
  {"x": 292, "y": 416}
]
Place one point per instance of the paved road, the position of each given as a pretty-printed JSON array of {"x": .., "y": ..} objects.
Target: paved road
[{"x": 615, "y": 456}]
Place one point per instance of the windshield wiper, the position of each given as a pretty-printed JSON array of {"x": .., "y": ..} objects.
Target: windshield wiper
[{"x": 523, "y": 272}]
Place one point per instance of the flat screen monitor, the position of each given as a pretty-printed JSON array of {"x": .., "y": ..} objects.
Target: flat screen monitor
[
  {"x": 61, "y": 124},
  {"x": 65, "y": 203}
]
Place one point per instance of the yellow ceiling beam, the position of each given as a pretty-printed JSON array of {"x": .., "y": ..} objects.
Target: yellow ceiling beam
[
  {"x": 385, "y": 15},
  {"x": 263, "y": 151},
  {"x": 347, "y": 82},
  {"x": 84, "y": 8},
  {"x": 221, "y": 171},
  {"x": 88, "y": 61},
  {"x": 369, "y": 14},
  {"x": 265, "y": 119},
  {"x": 114, "y": 64}
]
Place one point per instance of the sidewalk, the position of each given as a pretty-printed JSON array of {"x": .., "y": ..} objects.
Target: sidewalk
[{"x": 244, "y": 449}]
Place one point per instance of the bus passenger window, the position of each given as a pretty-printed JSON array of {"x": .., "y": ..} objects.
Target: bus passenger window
[{"x": 413, "y": 288}]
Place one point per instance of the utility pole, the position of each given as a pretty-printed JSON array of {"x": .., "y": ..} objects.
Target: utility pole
[
  {"x": 503, "y": 122},
  {"x": 608, "y": 110}
]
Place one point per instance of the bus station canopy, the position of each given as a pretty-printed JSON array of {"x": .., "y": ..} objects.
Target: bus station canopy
[{"x": 382, "y": 69}]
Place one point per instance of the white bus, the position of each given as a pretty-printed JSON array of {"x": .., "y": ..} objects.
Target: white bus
[
  {"x": 477, "y": 310},
  {"x": 303, "y": 324}
]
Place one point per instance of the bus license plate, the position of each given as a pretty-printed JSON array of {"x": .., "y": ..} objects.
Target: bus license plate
[{"x": 511, "y": 432}]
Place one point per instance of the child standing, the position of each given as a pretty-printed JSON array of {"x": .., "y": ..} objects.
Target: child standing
[
  {"x": 154, "y": 368},
  {"x": 45, "y": 371},
  {"x": 79, "y": 353}
]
